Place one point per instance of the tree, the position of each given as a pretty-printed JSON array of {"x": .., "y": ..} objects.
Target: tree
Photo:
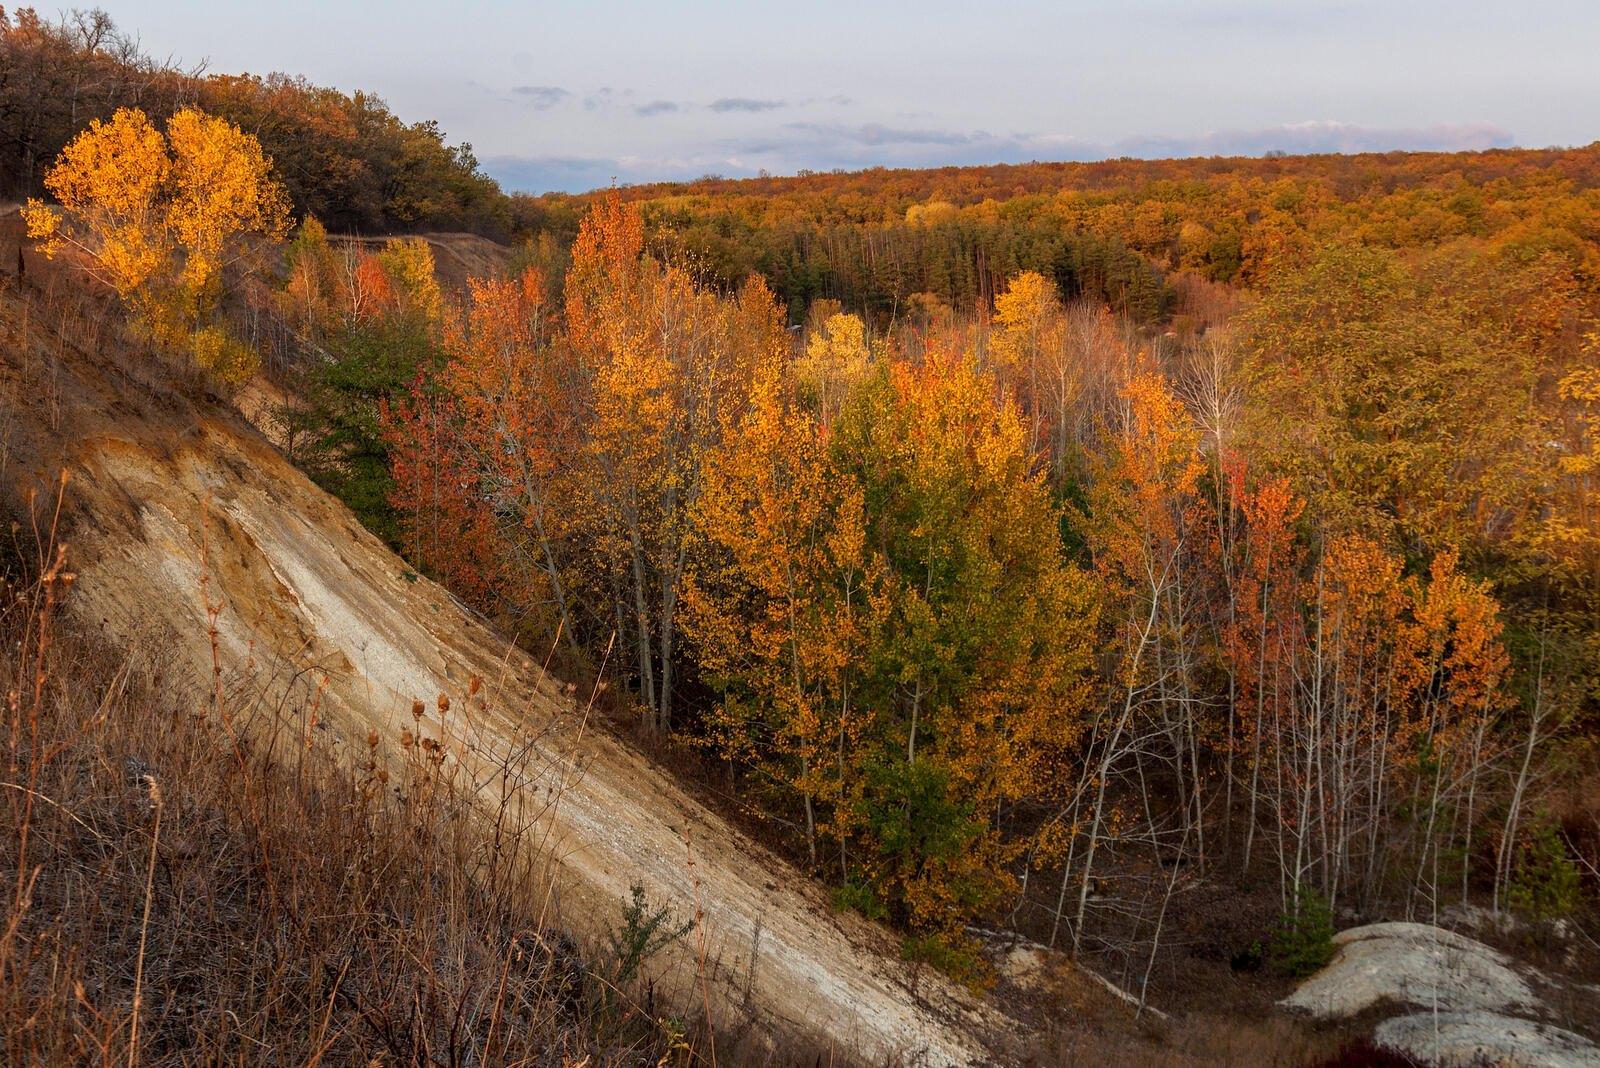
[
  {"x": 662, "y": 362},
  {"x": 522, "y": 409},
  {"x": 447, "y": 528},
  {"x": 221, "y": 191},
  {"x": 335, "y": 426},
  {"x": 368, "y": 325},
  {"x": 408, "y": 264},
  {"x": 836, "y": 357},
  {"x": 1028, "y": 334},
  {"x": 1138, "y": 528},
  {"x": 779, "y": 601},
  {"x": 1372, "y": 704},
  {"x": 1403, "y": 398},
  {"x": 982, "y": 670},
  {"x": 110, "y": 182},
  {"x": 159, "y": 218}
]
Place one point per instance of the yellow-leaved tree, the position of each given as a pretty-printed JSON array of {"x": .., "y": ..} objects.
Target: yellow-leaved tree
[
  {"x": 836, "y": 357},
  {"x": 1029, "y": 333},
  {"x": 160, "y": 217},
  {"x": 779, "y": 601},
  {"x": 980, "y": 677},
  {"x": 408, "y": 262}
]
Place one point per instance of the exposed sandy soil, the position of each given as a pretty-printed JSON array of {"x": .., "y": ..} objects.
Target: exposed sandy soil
[
  {"x": 168, "y": 485},
  {"x": 456, "y": 256}
]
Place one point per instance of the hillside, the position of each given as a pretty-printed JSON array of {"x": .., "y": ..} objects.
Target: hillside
[
  {"x": 175, "y": 502},
  {"x": 1144, "y": 611}
]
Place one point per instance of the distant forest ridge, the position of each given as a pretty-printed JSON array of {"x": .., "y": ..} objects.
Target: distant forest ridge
[
  {"x": 1347, "y": 175},
  {"x": 1121, "y": 232}
]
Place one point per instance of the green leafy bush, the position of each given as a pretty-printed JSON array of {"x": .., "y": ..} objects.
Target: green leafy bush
[
  {"x": 644, "y": 932},
  {"x": 861, "y": 898},
  {"x": 956, "y": 957}
]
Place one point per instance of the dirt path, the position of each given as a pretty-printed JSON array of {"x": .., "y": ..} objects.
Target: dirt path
[{"x": 164, "y": 490}]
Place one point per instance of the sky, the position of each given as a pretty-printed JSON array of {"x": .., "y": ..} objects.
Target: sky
[{"x": 573, "y": 96}]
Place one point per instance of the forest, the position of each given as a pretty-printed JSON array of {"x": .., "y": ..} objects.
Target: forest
[
  {"x": 984, "y": 537},
  {"x": 1304, "y": 591}
]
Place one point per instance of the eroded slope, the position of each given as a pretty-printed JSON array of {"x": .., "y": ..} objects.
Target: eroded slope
[{"x": 176, "y": 503}]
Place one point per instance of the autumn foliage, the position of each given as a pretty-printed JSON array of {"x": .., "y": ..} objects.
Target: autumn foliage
[
  {"x": 956, "y": 601},
  {"x": 1146, "y": 520},
  {"x": 159, "y": 217}
]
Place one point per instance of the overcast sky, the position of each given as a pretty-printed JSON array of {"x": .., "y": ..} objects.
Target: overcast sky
[{"x": 576, "y": 95}]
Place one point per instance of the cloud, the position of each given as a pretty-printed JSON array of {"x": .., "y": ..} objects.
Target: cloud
[
  {"x": 544, "y": 174},
  {"x": 1251, "y": 17},
  {"x": 655, "y": 107},
  {"x": 830, "y": 145},
  {"x": 744, "y": 103},
  {"x": 873, "y": 133},
  {"x": 541, "y": 97}
]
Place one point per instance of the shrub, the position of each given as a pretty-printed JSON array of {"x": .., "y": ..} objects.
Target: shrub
[
  {"x": 1303, "y": 941},
  {"x": 1546, "y": 883},
  {"x": 929, "y": 863},
  {"x": 956, "y": 957},
  {"x": 644, "y": 933},
  {"x": 861, "y": 898},
  {"x": 229, "y": 359}
]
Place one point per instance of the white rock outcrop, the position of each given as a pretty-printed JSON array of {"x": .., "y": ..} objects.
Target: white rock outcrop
[
  {"x": 1412, "y": 964},
  {"x": 1480, "y": 1039}
]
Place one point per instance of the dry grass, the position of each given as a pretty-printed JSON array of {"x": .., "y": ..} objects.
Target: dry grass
[
  {"x": 1196, "y": 1041},
  {"x": 195, "y": 879}
]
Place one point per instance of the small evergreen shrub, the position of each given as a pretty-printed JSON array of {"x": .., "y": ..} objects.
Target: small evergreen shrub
[
  {"x": 1303, "y": 941},
  {"x": 1546, "y": 883}
]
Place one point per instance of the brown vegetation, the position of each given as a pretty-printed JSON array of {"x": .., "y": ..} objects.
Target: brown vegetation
[{"x": 199, "y": 878}]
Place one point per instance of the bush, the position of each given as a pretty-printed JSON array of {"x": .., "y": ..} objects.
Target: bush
[
  {"x": 644, "y": 933},
  {"x": 1303, "y": 941},
  {"x": 928, "y": 868},
  {"x": 1546, "y": 883},
  {"x": 861, "y": 898},
  {"x": 230, "y": 360},
  {"x": 954, "y": 956}
]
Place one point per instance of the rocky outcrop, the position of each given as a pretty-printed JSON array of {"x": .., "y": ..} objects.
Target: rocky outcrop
[
  {"x": 1411, "y": 964},
  {"x": 1462, "y": 1004},
  {"x": 1479, "y": 1039}
]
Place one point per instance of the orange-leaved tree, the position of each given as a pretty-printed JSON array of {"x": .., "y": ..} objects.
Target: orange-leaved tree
[
  {"x": 521, "y": 405},
  {"x": 447, "y": 527},
  {"x": 661, "y": 361}
]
